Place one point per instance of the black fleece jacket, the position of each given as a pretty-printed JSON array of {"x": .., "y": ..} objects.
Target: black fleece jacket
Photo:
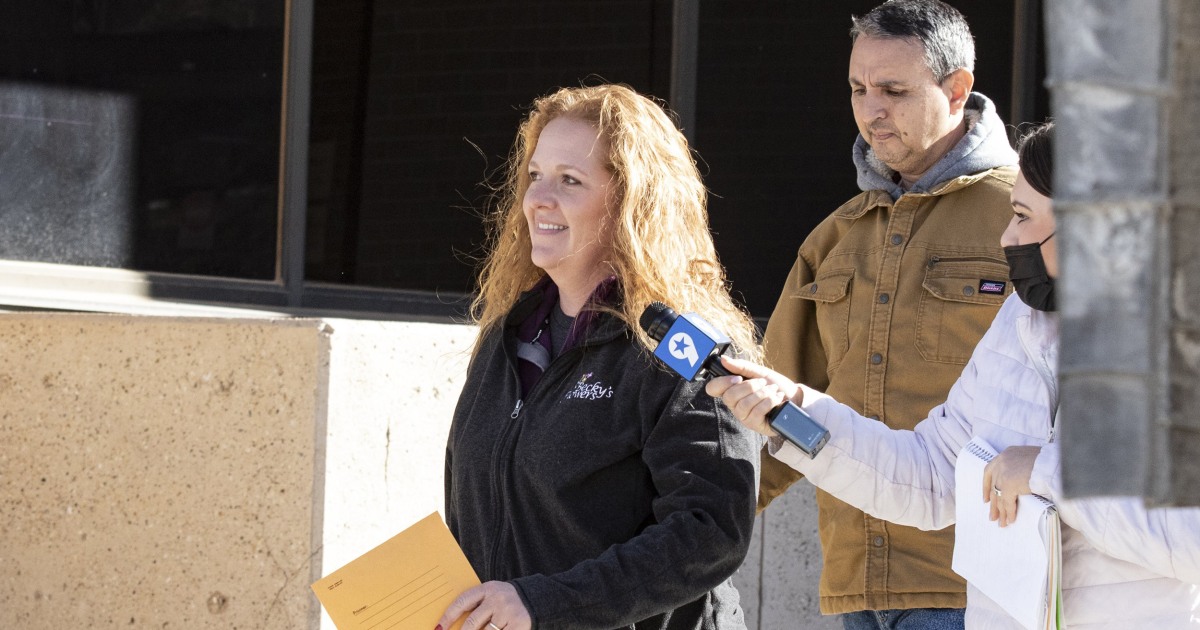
[{"x": 614, "y": 495}]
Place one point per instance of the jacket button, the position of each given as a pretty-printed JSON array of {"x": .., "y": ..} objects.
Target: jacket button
[
  {"x": 968, "y": 291},
  {"x": 897, "y": 239},
  {"x": 878, "y": 541},
  {"x": 876, "y": 358},
  {"x": 883, "y": 298},
  {"x": 813, "y": 288}
]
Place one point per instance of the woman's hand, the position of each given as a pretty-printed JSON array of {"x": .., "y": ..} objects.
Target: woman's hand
[
  {"x": 752, "y": 392},
  {"x": 1009, "y": 473},
  {"x": 492, "y": 606}
]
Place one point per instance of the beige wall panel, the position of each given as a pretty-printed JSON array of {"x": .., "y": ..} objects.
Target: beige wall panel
[
  {"x": 157, "y": 472},
  {"x": 392, "y": 391}
]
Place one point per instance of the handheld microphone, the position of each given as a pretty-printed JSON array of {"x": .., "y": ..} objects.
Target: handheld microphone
[{"x": 693, "y": 349}]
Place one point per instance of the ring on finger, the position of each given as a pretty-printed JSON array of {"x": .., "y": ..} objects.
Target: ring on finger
[
  {"x": 995, "y": 491},
  {"x": 494, "y": 626}
]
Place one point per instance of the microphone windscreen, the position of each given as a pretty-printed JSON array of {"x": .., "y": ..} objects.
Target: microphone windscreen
[{"x": 656, "y": 320}]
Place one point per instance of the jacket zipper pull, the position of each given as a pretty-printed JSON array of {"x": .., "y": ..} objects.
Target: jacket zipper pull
[{"x": 516, "y": 410}]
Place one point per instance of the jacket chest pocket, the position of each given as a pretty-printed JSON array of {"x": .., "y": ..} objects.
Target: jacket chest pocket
[
  {"x": 830, "y": 293},
  {"x": 959, "y": 299}
]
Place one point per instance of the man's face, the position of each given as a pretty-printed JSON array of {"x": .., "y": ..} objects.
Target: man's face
[{"x": 906, "y": 116}]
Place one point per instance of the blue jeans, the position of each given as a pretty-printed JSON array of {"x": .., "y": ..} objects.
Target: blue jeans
[{"x": 905, "y": 619}]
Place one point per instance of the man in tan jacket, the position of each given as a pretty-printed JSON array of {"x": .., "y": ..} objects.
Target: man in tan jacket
[{"x": 890, "y": 293}]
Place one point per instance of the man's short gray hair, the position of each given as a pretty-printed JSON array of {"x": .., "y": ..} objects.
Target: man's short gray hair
[{"x": 939, "y": 27}]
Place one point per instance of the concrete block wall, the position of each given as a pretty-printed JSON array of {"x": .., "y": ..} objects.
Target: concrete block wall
[
  {"x": 1183, "y": 430},
  {"x": 1108, "y": 73},
  {"x": 1124, "y": 88},
  {"x": 174, "y": 472}
]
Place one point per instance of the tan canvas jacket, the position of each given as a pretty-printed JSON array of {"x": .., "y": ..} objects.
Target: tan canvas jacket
[{"x": 882, "y": 309}]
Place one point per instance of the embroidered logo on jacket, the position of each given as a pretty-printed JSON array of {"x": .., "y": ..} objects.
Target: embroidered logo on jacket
[
  {"x": 994, "y": 287},
  {"x": 589, "y": 391}
]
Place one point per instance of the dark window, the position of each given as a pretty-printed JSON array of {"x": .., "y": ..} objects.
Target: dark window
[
  {"x": 416, "y": 104},
  {"x": 143, "y": 135}
]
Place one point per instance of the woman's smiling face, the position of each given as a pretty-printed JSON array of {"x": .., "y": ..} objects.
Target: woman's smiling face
[{"x": 567, "y": 204}]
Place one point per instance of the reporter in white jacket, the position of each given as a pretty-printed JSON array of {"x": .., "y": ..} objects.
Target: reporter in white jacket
[{"x": 1124, "y": 566}]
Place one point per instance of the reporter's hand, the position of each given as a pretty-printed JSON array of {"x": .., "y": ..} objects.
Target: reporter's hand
[
  {"x": 495, "y": 603},
  {"x": 1008, "y": 472},
  {"x": 752, "y": 392}
]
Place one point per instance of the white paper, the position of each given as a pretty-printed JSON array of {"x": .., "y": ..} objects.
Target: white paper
[{"x": 1014, "y": 566}]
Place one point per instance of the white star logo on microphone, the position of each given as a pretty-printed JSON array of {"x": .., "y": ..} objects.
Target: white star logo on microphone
[{"x": 682, "y": 348}]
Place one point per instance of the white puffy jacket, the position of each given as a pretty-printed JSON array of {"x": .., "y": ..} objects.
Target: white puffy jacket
[{"x": 1123, "y": 566}]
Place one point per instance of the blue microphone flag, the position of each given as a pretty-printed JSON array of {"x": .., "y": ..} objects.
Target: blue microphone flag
[{"x": 688, "y": 344}]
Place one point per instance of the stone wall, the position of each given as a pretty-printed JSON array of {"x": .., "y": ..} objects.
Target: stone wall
[{"x": 158, "y": 472}]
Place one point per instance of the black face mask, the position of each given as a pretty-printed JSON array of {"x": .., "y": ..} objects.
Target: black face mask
[{"x": 1027, "y": 270}]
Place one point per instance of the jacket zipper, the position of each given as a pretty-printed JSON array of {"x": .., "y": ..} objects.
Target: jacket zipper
[
  {"x": 503, "y": 465},
  {"x": 500, "y": 466},
  {"x": 933, "y": 260},
  {"x": 1043, "y": 369}
]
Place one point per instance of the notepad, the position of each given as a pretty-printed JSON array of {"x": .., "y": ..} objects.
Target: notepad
[
  {"x": 1019, "y": 566},
  {"x": 405, "y": 583}
]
